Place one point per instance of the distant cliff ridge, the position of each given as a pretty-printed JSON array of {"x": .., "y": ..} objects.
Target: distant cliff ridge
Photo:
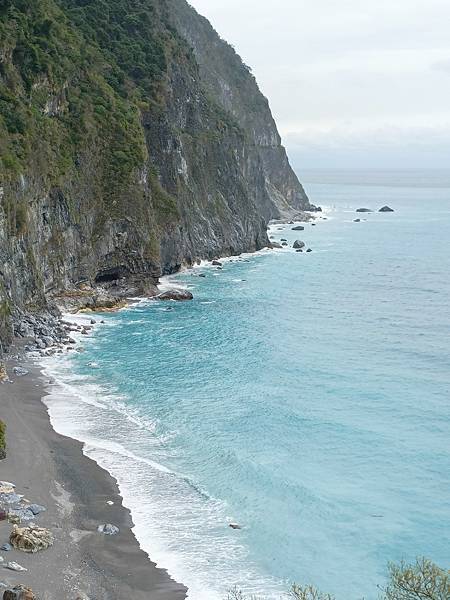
[{"x": 132, "y": 140}]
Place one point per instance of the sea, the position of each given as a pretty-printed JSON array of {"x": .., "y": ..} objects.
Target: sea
[{"x": 301, "y": 396}]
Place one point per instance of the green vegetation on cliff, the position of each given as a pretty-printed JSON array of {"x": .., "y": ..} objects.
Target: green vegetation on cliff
[
  {"x": 74, "y": 76},
  {"x": 120, "y": 158}
]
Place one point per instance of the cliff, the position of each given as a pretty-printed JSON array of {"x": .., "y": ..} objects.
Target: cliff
[{"x": 132, "y": 140}]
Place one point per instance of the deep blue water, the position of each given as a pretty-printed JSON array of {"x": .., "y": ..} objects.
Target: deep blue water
[{"x": 303, "y": 396}]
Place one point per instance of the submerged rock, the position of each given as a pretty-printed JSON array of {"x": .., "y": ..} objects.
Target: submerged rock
[
  {"x": 356, "y": 220},
  {"x": 235, "y": 526},
  {"x": 275, "y": 245},
  {"x": 386, "y": 209},
  {"x": 177, "y": 295},
  {"x": 108, "y": 529},
  {"x": 216, "y": 263},
  {"x": 298, "y": 228},
  {"x": 6, "y": 547},
  {"x": 31, "y": 539},
  {"x": 364, "y": 210}
]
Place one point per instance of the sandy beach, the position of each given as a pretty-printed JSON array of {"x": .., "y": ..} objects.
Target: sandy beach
[{"x": 52, "y": 471}]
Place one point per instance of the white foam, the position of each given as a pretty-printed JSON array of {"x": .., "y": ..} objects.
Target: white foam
[{"x": 181, "y": 528}]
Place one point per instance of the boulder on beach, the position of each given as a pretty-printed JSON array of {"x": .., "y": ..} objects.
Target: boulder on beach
[
  {"x": 3, "y": 373},
  {"x": 36, "y": 509},
  {"x": 364, "y": 210},
  {"x": 13, "y": 566},
  {"x": 20, "y": 514},
  {"x": 177, "y": 295},
  {"x": 31, "y": 539},
  {"x": 9, "y": 499},
  {"x": 108, "y": 529},
  {"x": 386, "y": 209},
  {"x": 298, "y": 228},
  {"x": 19, "y": 592},
  {"x": 20, "y": 371},
  {"x": 299, "y": 244}
]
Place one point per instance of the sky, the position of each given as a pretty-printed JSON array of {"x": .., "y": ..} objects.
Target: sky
[{"x": 351, "y": 83}]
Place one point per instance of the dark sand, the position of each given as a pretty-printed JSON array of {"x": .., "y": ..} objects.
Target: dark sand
[{"x": 51, "y": 470}]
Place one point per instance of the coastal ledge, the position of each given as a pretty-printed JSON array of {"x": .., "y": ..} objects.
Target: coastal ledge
[{"x": 53, "y": 471}]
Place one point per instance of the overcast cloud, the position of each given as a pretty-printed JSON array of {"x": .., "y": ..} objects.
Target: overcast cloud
[{"x": 352, "y": 82}]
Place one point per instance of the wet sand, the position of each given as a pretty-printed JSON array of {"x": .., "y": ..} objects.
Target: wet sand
[{"x": 51, "y": 470}]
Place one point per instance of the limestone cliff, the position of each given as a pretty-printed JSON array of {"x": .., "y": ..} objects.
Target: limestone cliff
[{"x": 132, "y": 140}]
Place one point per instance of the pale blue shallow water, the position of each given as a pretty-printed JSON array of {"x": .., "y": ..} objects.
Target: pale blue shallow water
[{"x": 304, "y": 396}]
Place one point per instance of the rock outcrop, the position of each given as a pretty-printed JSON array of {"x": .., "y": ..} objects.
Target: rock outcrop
[
  {"x": 177, "y": 295},
  {"x": 133, "y": 140}
]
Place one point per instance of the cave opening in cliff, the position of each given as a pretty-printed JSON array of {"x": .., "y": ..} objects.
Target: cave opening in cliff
[{"x": 111, "y": 275}]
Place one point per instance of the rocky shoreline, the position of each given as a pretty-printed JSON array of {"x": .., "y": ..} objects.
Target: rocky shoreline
[{"x": 47, "y": 333}]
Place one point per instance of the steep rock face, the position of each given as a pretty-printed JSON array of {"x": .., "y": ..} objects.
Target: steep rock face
[
  {"x": 124, "y": 151},
  {"x": 230, "y": 83}
]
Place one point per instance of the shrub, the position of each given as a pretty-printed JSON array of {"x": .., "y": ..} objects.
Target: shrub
[
  {"x": 421, "y": 581},
  {"x": 308, "y": 593}
]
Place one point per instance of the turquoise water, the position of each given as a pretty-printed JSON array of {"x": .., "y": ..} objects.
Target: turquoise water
[{"x": 303, "y": 396}]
